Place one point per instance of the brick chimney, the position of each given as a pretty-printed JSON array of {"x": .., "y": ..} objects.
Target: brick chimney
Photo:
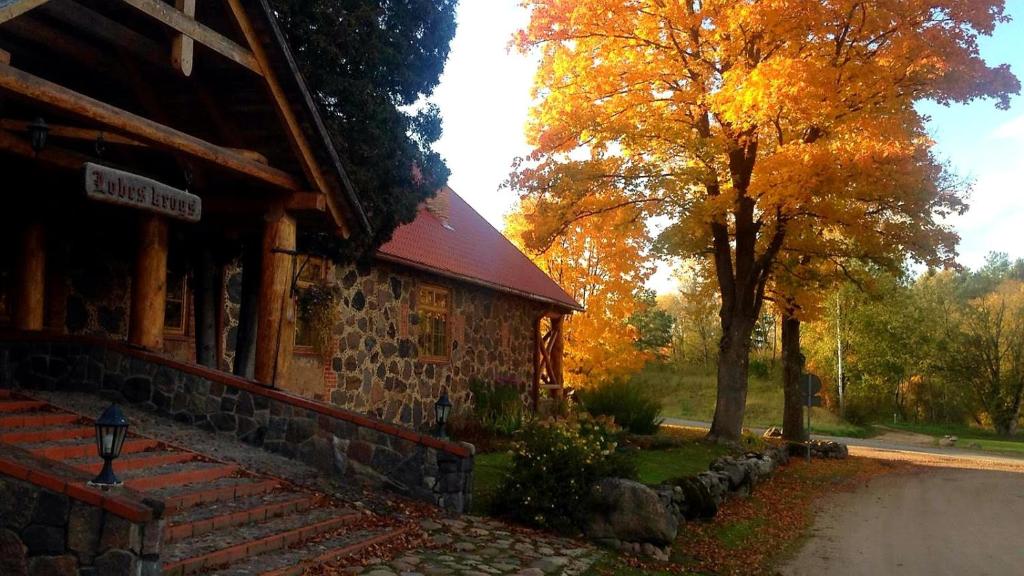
[{"x": 440, "y": 206}]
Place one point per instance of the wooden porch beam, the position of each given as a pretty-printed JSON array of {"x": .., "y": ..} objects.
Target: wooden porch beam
[
  {"x": 149, "y": 284},
  {"x": 56, "y": 96},
  {"x": 72, "y": 132},
  {"x": 297, "y": 137},
  {"x": 206, "y": 36},
  {"x": 17, "y": 8},
  {"x": 99, "y": 26},
  {"x": 31, "y": 278},
  {"x": 49, "y": 155}
]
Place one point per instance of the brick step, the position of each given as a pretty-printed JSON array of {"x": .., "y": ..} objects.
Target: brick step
[
  {"x": 71, "y": 448},
  {"x": 34, "y": 434},
  {"x": 295, "y": 560},
  {"x": 251, "y": 509},
  {"x": 133, "y": 462},
  {"x": 223, "y": 547},
  {"x": 37, "y": 420},
  {"x": 21, "y": 406},
  {"x": 179, "y": 499},
  {"x": 176, "y": 475}
]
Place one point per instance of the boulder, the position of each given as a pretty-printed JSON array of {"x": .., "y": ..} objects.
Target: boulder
[{"x": 628, "y": 511}]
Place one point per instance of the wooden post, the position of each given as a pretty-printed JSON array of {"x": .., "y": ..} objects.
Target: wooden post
[
  {"x": 275, "y": 334},
  {"x": 149, "y": 285},
  {"x": 31, "y": 279},
  {"x": 537, "y": 364},
  {"x": 248, "y": 308},
  {"x": 207, "y": 297},
  {"x": 557, "y": 350}
]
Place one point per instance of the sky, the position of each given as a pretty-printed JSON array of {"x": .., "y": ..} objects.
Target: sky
[{"x": 484, "y": 96}]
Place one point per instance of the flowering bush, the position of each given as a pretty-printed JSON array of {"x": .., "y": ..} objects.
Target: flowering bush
[{"x": 554, "y": 463}]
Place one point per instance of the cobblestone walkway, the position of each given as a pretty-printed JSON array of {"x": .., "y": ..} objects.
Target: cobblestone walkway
[{"x": 476, "y": 546}]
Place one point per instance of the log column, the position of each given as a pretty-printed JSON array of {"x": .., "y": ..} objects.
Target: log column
[
  {"x": 275, "y": 334},
  {"x": 149, "y": 285},
  {"x": 31, "y": 279}
]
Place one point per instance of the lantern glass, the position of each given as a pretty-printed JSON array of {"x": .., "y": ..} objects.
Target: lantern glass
[
  {"x": 111, "y": 429},
  {"x": 442, "y": 409},
  {"x": 37, "y": 133}
]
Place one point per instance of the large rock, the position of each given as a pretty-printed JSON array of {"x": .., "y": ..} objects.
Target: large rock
[
  {"x": 13, "y": 560},
  {"x": 628, "y": 511}
]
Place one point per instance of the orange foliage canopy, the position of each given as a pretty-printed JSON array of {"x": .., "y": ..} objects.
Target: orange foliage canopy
[
  {"x": 762, "y": 130},
  {"x": 600, "y": 261}
]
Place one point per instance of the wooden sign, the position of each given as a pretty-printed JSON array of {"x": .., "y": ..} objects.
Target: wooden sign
[{"x": 115, "y": 186}]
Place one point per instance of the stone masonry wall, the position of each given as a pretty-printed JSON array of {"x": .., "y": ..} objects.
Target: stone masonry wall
[
  {"x": 377, "y": 368},
  {"x": 333, "y": 440},
  {"x": 45, "y": 532}
]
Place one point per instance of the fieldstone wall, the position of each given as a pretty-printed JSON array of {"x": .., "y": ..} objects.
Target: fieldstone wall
[
  {"x": 45, "y": 533},
  {"x": 333, "y": 440},
  {"x": 377, "y": 368}
]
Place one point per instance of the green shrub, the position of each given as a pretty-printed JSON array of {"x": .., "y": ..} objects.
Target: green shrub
[
  {"x": 633, "y": 406},
  {"x": 554, "y": 463},
  {"x": 498, "y": 406}
]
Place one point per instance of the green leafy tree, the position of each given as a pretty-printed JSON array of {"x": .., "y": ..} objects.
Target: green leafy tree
[
  {"x": 370, "y": 64},
  {"x": 653, "y": 324}
]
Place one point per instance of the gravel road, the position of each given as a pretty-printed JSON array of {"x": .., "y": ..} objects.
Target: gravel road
[{"x": 955, "y": 515}]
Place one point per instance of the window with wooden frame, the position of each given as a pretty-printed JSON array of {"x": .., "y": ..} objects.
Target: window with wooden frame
[
  {"x": 314, "y": 271},
  {"x": 176, "y": 302},
  {"x": 434, "y": 337}
]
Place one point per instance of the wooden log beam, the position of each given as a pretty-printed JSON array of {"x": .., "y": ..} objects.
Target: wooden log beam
[
  {"x": 30, "y": 278},
  {"x": 296, "y": 135},
  {"x": 16, "y": 8},
  {"x": 204, "y": 35},
  {"x": 49, "y": 155},
  {"x": 182, "y": 47},
  {"x": 72, "y": 132},
  {"x": 106, "y": 29},
  {"x": 56, "y": 96},
  {"x": 149, "y": 284},
  {"x": 275, "y": 335}
]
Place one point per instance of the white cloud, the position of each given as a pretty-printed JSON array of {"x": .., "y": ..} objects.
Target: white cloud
[{"x": 1010, "y": 130}]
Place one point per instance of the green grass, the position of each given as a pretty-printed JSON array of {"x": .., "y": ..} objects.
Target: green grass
[
  {"x": 738, "y": 534},
  {"x": 690, "y": 394},
  {"x": 657, "y": 466},
  {"x": 654, "y": 466},
  {"x": 967, "y": 435}
]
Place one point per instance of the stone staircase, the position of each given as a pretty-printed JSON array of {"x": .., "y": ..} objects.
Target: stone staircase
[{"x": 220, "y": 519}]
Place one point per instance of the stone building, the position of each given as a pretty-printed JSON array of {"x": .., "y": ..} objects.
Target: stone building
[{"x": 161, "y": 162}]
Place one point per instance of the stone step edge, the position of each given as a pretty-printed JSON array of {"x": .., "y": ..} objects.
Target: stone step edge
[
  {"x": 225, "y": 556},
  {"x": 174, "y": 532},
  {"x": 49, "y": 419},
  {"x": 13, "y": 406},
  {"x": 71, "y": 451},
  {"x": 178, "y": 503},
  {"x": 180, "y": 478},
  {"x": 156, "y": 460},
  {"x": 339, "y": 553},
  {"x": 56, "y": 432}
]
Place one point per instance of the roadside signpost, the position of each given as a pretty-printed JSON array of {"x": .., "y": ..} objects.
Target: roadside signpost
[{"x": 812, "y": 387}]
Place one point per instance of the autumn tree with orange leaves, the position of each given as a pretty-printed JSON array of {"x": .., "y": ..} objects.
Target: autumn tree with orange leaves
[
  {"x": 602, "y": 262},
  {"x": 740, "y": 121}
]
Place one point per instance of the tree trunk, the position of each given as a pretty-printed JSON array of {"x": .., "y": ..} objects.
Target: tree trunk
[
  {"x": 733, "y": 365},
  {"x": 207, "y": 292},
  {"x": 792, "y": 367},
  {"x": 245, "y": 343}
]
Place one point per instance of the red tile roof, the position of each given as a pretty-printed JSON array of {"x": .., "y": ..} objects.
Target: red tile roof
[{"x": 468, "y": 248}]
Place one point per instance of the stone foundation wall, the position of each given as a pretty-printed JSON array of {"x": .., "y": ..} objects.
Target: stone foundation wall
[
  {"x": 334, "y": 440},
  {"x": 45, "y": 532}
]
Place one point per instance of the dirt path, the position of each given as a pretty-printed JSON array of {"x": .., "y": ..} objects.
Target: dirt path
[{"x": 955, "y": 516}]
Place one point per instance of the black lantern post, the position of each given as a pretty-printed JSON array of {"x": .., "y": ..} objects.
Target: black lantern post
[
  {"x": 37, "y": 133},
  {"x": 111, "y": 428},
  {"x": 442, "y": 408}
]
